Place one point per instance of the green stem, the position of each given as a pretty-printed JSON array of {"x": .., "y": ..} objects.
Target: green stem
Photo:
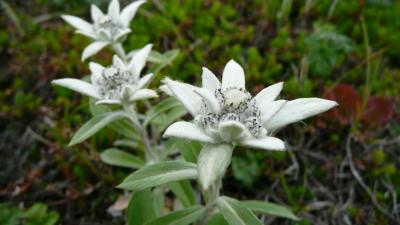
[
  {"x": 368, "y": 59},
  {"x": 150, "y": 154},
  {"x": 210, "y": 196}
]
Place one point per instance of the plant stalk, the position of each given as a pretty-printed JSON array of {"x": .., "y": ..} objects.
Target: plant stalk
[
  {"x": 150, "y": 154},
  {"x": 210, "y": 196}
]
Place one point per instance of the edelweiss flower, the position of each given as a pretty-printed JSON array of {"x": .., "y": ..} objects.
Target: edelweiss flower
[
  {"x": 227, "y": 113},
  {"x": 106, "y": 29},
  {"x": 119, "y": 83}
]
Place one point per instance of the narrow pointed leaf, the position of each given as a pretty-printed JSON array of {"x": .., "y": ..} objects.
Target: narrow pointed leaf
[
  {"x": 160, "y": 108},
  {"x": 236, "y": 213},
  {"x": 217, "y": 219},
  {"x": 94, "y": 125},
  {"x": 189, "y": 149},
  {"x": 181, "y": 217},
  {"x": 122, "y": 126},
  {"x": 261, "y": 207},
  {"x": 116, "y": 157},
  {"x": 158, "y": 174},
  {"x": 184, "y": 192},
  {"x": 142, "y": 207}
]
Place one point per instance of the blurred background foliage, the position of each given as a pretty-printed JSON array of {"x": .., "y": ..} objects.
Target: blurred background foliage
[{"x": 343, "y": 167}]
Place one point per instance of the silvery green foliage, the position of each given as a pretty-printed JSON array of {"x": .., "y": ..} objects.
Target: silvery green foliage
[
  {"x": 119, "y": 83},
  {"x": 109, "y": 28},
  {"x": 226, "y": 113}
]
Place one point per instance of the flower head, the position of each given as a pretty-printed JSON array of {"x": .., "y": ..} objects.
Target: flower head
[
  {"x": 225, "y": 112},
  {"x": 119, "y": 83},
  {"x": 107, "y": 28}
]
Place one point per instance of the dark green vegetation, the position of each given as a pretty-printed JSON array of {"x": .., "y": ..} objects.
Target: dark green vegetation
[{"x": 343, "y": 167}]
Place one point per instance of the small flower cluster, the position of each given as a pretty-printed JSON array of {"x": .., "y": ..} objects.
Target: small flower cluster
[
  {"x": 119, "y": 83},
  {"x": 106, "y": 29}
]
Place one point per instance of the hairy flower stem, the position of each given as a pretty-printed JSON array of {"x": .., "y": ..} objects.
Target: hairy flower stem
[
  {"x": 210, "y": 196},
  {"x": 150, "y": 154}
]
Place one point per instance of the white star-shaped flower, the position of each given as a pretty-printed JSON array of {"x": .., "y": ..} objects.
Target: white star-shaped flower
[
  {"x": 106, "y": 29},
  {"x": 119, "y": 83},
  {"x": 225, "y": 112}
]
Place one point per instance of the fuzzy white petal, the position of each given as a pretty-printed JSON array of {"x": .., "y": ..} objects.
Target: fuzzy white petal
[
  {"x": 120, "y": 37},
  {"x": 93, "y": 48},
  {"x": 144, "y": 81},
  {"x": 164, "y": 88},
  {"x": 212, "y": 163},
  {"x": 103, "y": 35},
  {"x": 270, "y": 109},
  {"x": 143, "y": 94},
  {"x": 139, "y": 59},
  {"x": 209, "y": 80},
  {"x": 117, "y": 61},
  {"x": 78, "y": 23},
  {"x": 78, "y": 86},
  {"x": 96, "y": 70},
  {"x": 129, "y": 12},
  {"x": 265, "y": 143},
  {"x": 268, "y": 94},
  {"x": 113, "y": 9},
  {"x": 95, "y": 12},
  {"x": 233, "y": 75},
  {"x": 233, "y": 131},
  {"x": 109, "y": 102},
  {"x": 89, "y": 34},
  {"x": 297, "y": 110},
  {"x": 187, "y": 130},
  {"x": 186, "y": 95},
  {"x": 209, "y": 99}
]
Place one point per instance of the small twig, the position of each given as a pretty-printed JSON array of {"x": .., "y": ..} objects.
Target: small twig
[{"x": 360, "y": 181}]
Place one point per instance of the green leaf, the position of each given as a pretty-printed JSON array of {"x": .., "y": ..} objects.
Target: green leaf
[
  {"x": 161, "y": 60},
  {"x": 180, "y": 217},
  {"x": 37, "y": 210},
  {"x": 189, "y": 149},
  {"x": 170, "y": 117},
  {"x": 51, "y": 218},
  {"x": 94, "y": 125},
  {"x": 8, "y": 215},
  {"x": 156, "y": 57},
  {"x": 116, "y": 157},
  {"x": 235, "y": 213},
  {"x": 123, "y": 126},
  {"x": 270, "y": 209},
  {"x": 171, "y": 55},
  {"x": 38, "y": 215},
  {"x": 143, "y": 207},
  {"x": 160, "y": 108},
  {"x": 217, "y": 219},
  {"x": 184, "y": 192},
  {"x": 159, "y": 173}
]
